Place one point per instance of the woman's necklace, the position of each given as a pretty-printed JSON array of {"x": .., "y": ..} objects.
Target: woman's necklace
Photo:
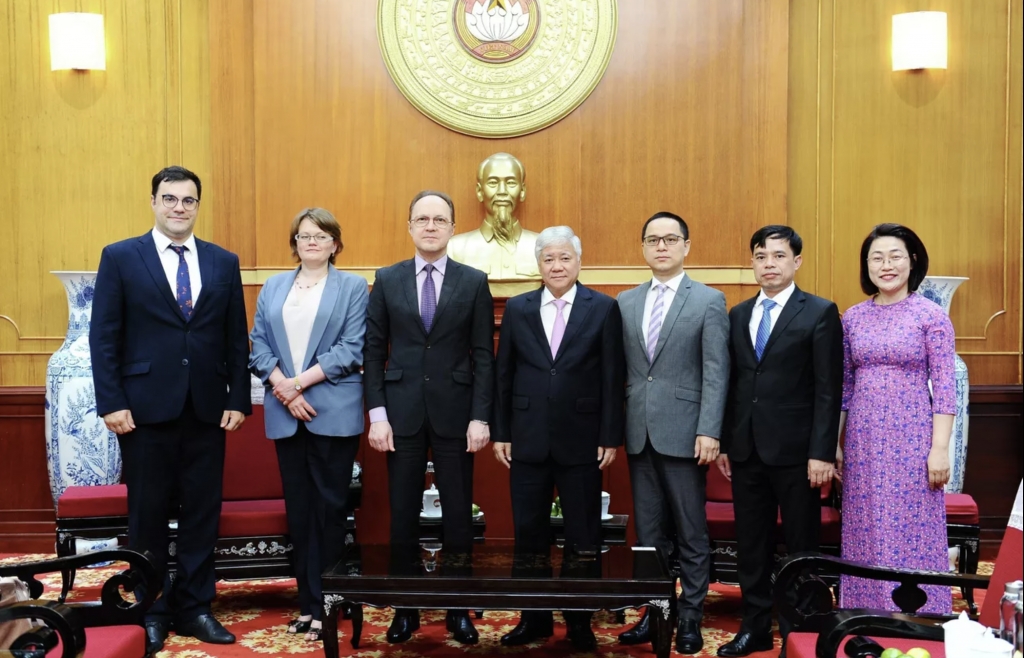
[{"x": 299, "y": 286}]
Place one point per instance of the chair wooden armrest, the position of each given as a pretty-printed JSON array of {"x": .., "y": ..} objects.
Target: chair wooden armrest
[{"x": 59, "y": 621}]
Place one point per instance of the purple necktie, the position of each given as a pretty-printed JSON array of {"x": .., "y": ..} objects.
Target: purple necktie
[
  {"x": 183, "y": 285},
  {"x": 428, "y": 298},
  {"x": 558, "y": 331},
  {"x": 654, "y": 324}
]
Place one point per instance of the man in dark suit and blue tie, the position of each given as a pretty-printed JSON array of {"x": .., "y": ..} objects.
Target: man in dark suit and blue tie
[
  {"x": 428, "y": 380},
  {"x": 561, "y": 376},
  {"x": 170, "y": 365},
  {"x": 782, "y": 423}
]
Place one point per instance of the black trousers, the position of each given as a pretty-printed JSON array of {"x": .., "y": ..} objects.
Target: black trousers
[
  {"x": 579, "y": 491},
  {"x": 175, "y": 470},
  {"x": 453, "y": 469},
  {"x": 316, "y": 472},
  {"x": 669, "y": 494},
  {"x": 760, "y": 492}
]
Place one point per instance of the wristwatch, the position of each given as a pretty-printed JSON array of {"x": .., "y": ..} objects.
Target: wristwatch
[{"x": 298, "y": 386}]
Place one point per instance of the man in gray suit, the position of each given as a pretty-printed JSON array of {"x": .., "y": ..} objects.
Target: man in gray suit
[{"x": 676, "y": 338}]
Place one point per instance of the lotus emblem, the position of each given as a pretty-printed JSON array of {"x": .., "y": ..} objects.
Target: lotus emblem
[{"x": 496, "y": 31}]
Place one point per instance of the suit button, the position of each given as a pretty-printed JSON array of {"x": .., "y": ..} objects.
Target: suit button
[
  {"x": 650, "y": 379},
  {"x": 552, "y": 371},
  {"x": 428, "y": 346},
  {"x": 755, "y": 400},
  {"x": 757, "y": 372},
  {"x": 184, "y": 362},
  {"x": 426, "y": 378}
]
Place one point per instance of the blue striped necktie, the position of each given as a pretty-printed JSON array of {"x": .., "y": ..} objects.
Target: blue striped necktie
[
  {"x": 764, "y": 330},
  {"x": 183, "y": 284}
]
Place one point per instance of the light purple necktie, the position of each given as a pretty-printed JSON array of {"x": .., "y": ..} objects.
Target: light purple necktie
[
  {"x": 428, "y": 298},
  {"x": 558, "y": 331},
  {"x": 654, "y": 324}
]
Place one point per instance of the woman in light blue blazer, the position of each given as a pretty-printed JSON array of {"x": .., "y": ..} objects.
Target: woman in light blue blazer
[{"x": 307, "y": 349}]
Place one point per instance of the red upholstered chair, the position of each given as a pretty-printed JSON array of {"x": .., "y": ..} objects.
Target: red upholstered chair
[
  {"x": 108, "y": 628},
  {"x": 821, "y": 631},
  {"x": 963, "y": 527}
]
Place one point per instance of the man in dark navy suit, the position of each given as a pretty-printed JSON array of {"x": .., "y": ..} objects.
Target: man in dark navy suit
[
  {"x": 561, "y": 385},
  {"x": 170, "y": 356}
]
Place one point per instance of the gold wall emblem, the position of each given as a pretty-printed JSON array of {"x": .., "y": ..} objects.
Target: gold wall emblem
[{"x": 496, "y": 68}]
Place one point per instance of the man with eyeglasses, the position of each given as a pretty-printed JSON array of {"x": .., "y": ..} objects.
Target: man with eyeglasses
[
  {"x": 428, "y": 378},
  {"x": 676, "y": 336},
  {"x": 170, "y": 356}
]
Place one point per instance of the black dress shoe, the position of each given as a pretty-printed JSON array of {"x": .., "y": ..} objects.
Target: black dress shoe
[
  {"x": 745, "y": 644},
  {"x": 640, "y": 633},
  {"x": 461, "y": 627},
  {"x": 689, "y": 641},
  {"x": 402, "y": 626},
  {"x": 528, "y": 630},
  {"x": 582, "y": 637},
  {"x": 206, "y": 629},
  {"x": 156, "y": 634}
]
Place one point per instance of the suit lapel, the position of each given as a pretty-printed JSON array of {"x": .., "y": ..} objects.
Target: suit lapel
[
  {"x": 580, "y": 309},
  {"x": 449, "y": 284},
  {"x": 638, "y": 312},
  {"x": 409, "y": 284},
  {"x": 533, "y": 319},
  {"x": 324, "y": 312},
  {"x": 670, "y": 316},
  {"x": 147, "y": 251},
  {"x": 207, "y": 267},
  {"x": 789, "y": 311},
  {"x": 279, "y": 334},
  {"x": 745, "y": 314}
]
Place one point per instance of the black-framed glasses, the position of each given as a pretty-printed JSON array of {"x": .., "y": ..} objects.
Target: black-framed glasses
[
  {"x": 321, "y": 238},
  {"x": 439, "y": 221},
  {"x": 188, "y": 203},
  {"x": 671, "y": 240}
]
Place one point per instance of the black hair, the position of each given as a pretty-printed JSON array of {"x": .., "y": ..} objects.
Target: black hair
[
  {"x": 664, "y": 214},
  {"x": 777, "y": 232},
  {"x": 174, "y": 174},
  {"x": 915, "y": 249}
]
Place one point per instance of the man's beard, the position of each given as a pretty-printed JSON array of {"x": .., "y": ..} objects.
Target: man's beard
[{"x": 503, "y": 224}]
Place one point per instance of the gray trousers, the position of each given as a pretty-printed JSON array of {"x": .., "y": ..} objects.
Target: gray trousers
[{"x": 668, "y": 495}]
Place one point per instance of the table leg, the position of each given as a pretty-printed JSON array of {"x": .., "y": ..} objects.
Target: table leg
[
  {"x": 357, "y": 625},
  {"x": 332, "y": 608},
  {"x": 661, "y": 629}
]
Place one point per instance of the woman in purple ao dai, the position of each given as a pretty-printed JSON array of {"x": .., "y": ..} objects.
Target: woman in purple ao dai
[{"x": 894, "y": 459}]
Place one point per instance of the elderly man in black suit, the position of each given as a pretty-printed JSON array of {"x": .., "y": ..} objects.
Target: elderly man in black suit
[
  {"x": 782, "y": 424},
  {"x": 561, "y": 379},
  {"x": 428, "y": 379}
]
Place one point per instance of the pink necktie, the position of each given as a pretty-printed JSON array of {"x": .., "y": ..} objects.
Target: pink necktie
[{"x": 559, "y": 329}]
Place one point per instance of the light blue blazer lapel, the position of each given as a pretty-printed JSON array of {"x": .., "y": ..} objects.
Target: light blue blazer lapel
[
  {"x": 324, "y": 313},
  {"x": 278, "y": 333},
  {"x": 672, "y": 314}
]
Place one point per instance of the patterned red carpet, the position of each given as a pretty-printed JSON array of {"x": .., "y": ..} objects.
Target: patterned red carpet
[{"x": 257, "y": 612}]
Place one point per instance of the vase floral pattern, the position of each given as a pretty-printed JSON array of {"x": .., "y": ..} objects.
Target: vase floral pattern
[
  {"x": 80, "y": 450},
  {"x": 940, "y": 289}
]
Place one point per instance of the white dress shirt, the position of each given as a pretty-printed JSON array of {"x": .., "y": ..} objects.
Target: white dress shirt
[
  {"x": 548, "y": 310},
  {"x": 169, "y": 259},
  {"x": 780, "y": 302},
  {"x": 421, "y": 277},
  {"x": 669, "y": 296}
]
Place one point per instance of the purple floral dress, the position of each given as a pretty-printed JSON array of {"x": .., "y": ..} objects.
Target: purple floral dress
[{"x": 891, "y": 517}]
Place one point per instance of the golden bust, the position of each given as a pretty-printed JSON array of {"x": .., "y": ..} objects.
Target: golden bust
[{"x": 501, "y": 247}]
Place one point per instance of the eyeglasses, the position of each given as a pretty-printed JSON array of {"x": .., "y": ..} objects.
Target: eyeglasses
[
  {"x": 894, "y": 259},
  {"x": 321, "y": 238},
  {"x": 439, "y": 221},
  {"x": 670, "y": 240},
  {"x": 188, "y": 203}
]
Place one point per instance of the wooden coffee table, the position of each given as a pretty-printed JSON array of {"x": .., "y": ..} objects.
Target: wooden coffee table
[{"x": 497, "y": 577}]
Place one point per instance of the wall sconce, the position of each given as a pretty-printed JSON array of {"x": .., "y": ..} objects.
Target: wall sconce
[
  {"x": 919, "y": 41},
  {"x": 76, "y": 42}
]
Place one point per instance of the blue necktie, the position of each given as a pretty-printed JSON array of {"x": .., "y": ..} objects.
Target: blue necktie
[
  {"x": 764, "y": 330},
  {"x": 428, "y": 298},
  {"x": 183, "y": 285}
]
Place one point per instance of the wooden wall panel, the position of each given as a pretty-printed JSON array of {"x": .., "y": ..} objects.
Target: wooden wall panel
[{"x": 26, "y": 508}]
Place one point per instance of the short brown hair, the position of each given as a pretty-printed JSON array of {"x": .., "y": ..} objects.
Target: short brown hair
[
  {"x": 325, "y": 221},
  {"x": 440, "y": 195}
]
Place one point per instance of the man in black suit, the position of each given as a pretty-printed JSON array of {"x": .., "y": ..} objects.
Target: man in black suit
[
  {"x": 428, "y": 367},
  {"x": 782, "y": 422},
  {"x": 561, "y": 377},
  {"x": 170, "y": 365}
]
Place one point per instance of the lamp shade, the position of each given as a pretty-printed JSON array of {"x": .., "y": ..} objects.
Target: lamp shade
[
  {"x": 76, "y": 42},
  {"x": 919, "y": 40}
]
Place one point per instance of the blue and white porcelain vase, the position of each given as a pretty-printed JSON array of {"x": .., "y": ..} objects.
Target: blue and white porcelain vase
[
  {"x": 80, "y": 450},
  {"x": 940, "y": 290}
]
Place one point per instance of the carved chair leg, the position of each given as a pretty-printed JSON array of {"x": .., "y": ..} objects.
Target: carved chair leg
[{"x": 67, "y": 584}]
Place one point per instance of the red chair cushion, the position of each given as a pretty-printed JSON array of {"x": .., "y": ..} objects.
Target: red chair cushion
[
  {"x": 717, "y": 488},
  {"x": 110, "y": 642},
  {"x": 722, "y": 523},
  {"x": 250, "y": 462},
  {"x": 85, "y": 502},
  {"x": 961, "y": 509},
  {"x": 252, "y": 518},
  {"x": 801, "y": 645},
  {"x": 1009, "y": 566},
  {"x": 831, "y": 526}
]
